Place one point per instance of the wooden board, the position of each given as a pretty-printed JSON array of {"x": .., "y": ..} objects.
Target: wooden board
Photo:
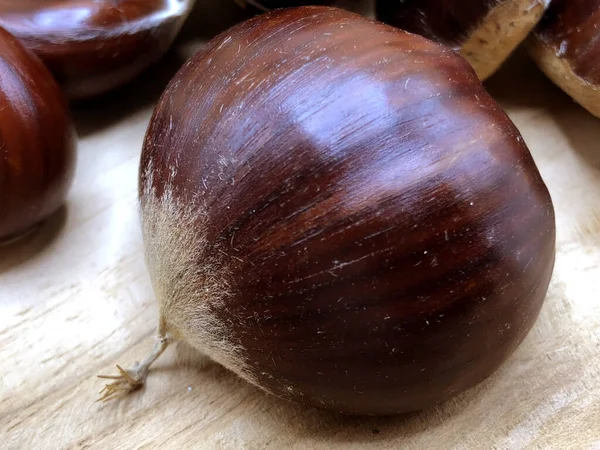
[{"x": 75, "y": 298}]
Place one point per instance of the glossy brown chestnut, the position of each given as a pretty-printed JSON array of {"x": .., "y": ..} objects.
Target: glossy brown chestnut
[
  {"x": 37, "y": 140},
  {"x": 338, "y": 212},
  {"x": 94, "y": 46},
  {"x": 484, "y": 31},
  {"x": 267, "y": 5},
  {"x": 566, "y": 46}
]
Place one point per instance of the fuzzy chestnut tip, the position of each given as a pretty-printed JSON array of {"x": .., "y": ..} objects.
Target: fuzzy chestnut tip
[{"x": 339, "y": 213}]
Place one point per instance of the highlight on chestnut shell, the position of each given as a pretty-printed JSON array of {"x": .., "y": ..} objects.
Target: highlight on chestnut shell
[
  {"x": 92, "y": 47},
  {"x": 566, "y": 47},
  {"x": 485, "y": 32},
  {"x": 338, "y": 212},
  {"x": 37, "y": 141}
]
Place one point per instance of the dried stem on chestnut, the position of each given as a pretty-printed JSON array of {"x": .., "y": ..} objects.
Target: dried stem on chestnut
[{"x": 132, "y": 379}]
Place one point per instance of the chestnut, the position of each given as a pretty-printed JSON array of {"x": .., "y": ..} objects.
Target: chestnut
[
  {"x": 94, "y": 46},
  {"x": 267, "y": 5},
  {"x": 37, "y": 137},
  {"x": 338, "y": 212},
  {"x": 484, "y": 31},
  {"x": 566, "y": 47}
]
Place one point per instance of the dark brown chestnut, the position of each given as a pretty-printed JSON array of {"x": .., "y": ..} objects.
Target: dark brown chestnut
[
  {"x": 37, "y": 140},
  {"x": 94, "y": 46},
  {"x": 267, "y": 5},
  {"x": 484, "y": 31},
  {"x": 566, "y": 46},
  {"x": 260, "y": 6},
  {"x": 338, "y": 212}
]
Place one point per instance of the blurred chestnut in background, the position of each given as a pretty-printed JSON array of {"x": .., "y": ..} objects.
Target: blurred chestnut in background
[
  {"x": 484, "y": 31},
  {"x": 94, "y": 46},
  {"x": 566, "y": 47},
  {"x": 337, "y": 211},
  {"x": 37, "y": 138}
]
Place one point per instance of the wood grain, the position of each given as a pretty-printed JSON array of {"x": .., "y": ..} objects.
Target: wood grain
[{"x": 75, "y": 298}]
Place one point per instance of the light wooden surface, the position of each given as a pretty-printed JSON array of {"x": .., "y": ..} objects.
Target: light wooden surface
[{"x": 75, "y": 298}]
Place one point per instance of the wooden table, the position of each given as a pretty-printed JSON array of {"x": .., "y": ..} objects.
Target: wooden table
[{"x": 75, "y": 298}]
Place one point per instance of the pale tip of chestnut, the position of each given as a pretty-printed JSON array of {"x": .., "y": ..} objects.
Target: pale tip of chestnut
[
  {"x": 500, "y": 33},
  {"x": 561, "y": 73},
  {"x": 566, "y": 47},
  {"x": 485, "y": 33}
]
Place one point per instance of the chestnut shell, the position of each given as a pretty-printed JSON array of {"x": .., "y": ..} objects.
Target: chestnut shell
[
  {"x": 93, "y": 47},
  {"x": 265, "y": 5},
  {"x": 37, "y": 140},
  {"x": 384, "y": 233}
]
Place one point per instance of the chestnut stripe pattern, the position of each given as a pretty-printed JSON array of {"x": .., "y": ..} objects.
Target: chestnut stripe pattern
[{"x": 387, "y": 236}]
